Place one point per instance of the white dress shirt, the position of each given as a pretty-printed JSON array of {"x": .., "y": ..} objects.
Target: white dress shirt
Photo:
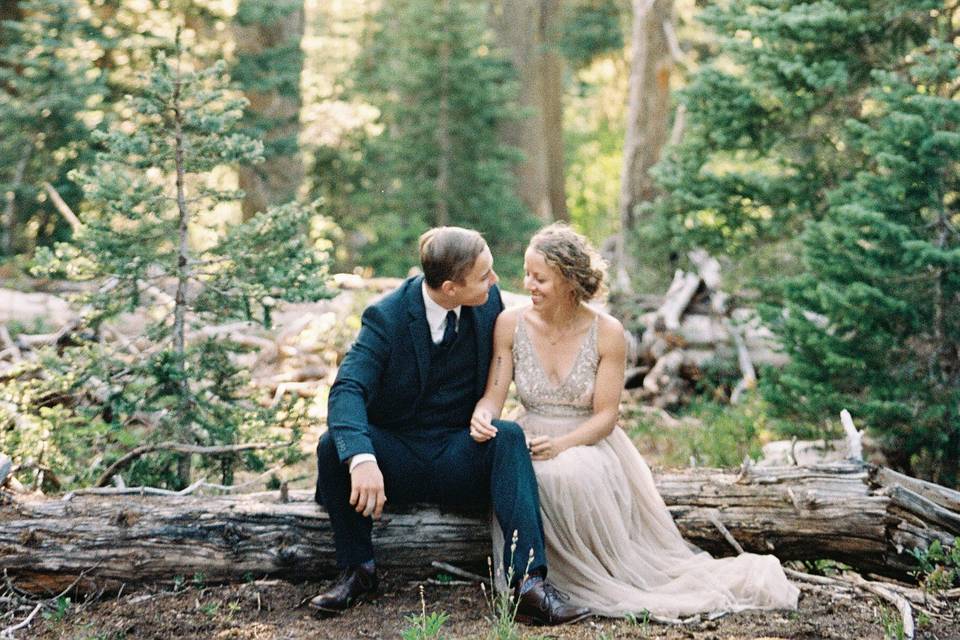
[
  {"x": 437, "y": 321},
  {"x": 436, "y": 315}
]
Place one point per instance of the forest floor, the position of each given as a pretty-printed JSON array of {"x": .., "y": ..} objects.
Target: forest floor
[
  {"x": 267, "y": 610},
  {"x": 275, "y": 609}
]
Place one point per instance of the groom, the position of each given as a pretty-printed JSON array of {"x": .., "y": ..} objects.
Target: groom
[{"x": 399, "y": 415}]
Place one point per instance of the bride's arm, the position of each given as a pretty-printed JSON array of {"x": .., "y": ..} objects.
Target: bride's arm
[
  {"x": 606, "y": 396},
  {"x": 498, "y": 380}
]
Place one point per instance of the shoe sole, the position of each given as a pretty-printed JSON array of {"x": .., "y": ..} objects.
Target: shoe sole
[{"x": 324, "y": 612}]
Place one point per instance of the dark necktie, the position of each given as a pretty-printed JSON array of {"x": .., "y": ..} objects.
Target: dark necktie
[{"x": 450, "y": 332}]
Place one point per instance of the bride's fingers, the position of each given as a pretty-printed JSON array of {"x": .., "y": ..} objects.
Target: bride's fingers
[
  {"x": 539, "y": 451},
  {"x": 539, "y": 443}
]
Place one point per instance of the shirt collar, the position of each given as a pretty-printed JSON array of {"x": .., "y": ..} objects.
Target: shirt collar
[{"x": 436, "y": 315}]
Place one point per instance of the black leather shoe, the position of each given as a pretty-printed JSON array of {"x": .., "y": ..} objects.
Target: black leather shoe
[
  {"x": 544, "y": 604},
  {"x": 354, "y": 585}
]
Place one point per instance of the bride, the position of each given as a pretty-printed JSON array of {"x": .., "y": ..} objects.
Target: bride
[{"x": 610, "y": 541}]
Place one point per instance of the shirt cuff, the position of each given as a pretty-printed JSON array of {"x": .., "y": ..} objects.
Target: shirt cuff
[{"x": 360, "y": 458}]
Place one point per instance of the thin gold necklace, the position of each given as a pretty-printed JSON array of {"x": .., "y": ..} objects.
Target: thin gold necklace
[{"x": 564, "y": 332}]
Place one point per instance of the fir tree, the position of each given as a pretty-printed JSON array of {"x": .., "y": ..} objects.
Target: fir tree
[
  {"x": 441, "y": 92},
  {"x": 148, "y": 191},
  {"x": 873, "y": 323},
  {"x": 50, "y": 86},
  {"x": 763, "y": 142}
]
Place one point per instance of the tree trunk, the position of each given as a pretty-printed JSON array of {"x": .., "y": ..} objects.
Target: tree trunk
[
  {"x": 648, "y": 114},
  {"x": 529, "y": 30},
  {"x": 10, "y": 211},
  {"x": 867, "y": 517},
  {"x": 183, "y": 260},
  {"x": 9, "y": 10},
  {"x": 444, "y": 144},
  {"x": 272, "y": 87}
]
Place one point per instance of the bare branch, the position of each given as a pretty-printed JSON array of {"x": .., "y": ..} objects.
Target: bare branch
[
  {"x": 180, "y": 447},
  {"x": 63, "y": 207}
]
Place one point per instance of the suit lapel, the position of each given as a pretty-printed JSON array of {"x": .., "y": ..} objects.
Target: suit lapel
[{"x": 419, "y": 330}]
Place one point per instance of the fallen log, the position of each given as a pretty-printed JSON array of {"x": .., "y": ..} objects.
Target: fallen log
[
  {"x": 867, "y": 517},
  {"x": 679, "y": 295},
  {"x": 27, "y": 308}
]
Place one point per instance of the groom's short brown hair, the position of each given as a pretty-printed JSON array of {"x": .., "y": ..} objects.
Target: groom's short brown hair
[{"x": 448, "y": 253}]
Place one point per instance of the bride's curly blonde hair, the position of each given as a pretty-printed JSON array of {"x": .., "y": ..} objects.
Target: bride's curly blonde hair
[{"x": 574, "y": 257}]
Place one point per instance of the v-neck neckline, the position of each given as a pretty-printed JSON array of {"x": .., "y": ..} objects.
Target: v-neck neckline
[{"x": 536, "y": 356}]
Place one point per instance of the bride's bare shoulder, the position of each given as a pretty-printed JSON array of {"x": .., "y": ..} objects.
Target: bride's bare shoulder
[
  {"x": 609, "y": 331},
  {"x": 606, "y": 323},
  {"x": 508, "y": 318}
]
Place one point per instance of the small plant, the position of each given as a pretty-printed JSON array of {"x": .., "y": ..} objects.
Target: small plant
[
  {"x": 502, "y": 603},
  {"x": 179, "y": 582},
  {"x": 641, "y": 619},
  {"x": 423, "y": 626},
  {"x": 115, "y": 635},
  {"x": 892, "y": 624},
  {"x": 60, "y": 609},
  {"x": 199, "y": 579},
  {"x": 938, "y": 567},
  {"x": 823, "y": 567},
  {"x": 210, "y": 609}
]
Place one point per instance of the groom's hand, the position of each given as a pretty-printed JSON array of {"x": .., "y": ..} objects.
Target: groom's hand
[
  {"x": 481, "y": 426},
  {"x": 366, "y": 489}
]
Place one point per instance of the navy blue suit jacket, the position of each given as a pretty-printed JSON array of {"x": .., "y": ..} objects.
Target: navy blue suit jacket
[{"x": 383, "y": 377}]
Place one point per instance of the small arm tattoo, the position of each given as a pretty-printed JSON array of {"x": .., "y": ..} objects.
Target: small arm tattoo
[{"x": 496, "y": 371}]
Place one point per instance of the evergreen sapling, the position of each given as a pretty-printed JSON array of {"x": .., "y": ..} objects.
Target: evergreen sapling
[{"x": 147, "y": 195}]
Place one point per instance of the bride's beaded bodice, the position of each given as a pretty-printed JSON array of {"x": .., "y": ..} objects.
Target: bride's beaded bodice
[{"x": 573, "y": 396}]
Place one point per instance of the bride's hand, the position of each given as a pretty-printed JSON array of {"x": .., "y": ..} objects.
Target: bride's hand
[
  {"x": 481, "y": 425},
  {"x": 544, "y": 448}
]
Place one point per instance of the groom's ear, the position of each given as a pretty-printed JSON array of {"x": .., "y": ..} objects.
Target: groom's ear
[{"x": 449, "y": 288}]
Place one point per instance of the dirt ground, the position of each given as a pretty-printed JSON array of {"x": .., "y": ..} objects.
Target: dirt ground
[{"x": 274, "y": 610}]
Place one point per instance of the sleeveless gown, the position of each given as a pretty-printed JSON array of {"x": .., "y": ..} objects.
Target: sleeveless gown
[{"x": 611, "y": 543}]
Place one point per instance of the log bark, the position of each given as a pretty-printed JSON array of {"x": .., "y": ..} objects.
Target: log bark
[{"x": 868, "y": 517}]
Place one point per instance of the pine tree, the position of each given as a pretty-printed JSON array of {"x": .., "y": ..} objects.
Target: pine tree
[
  {"x": 49, "y": 86},
  {"x": 441, "y": 93},
  {"x": 763, "y": 141},
  {"x": 147, "y": 194},
  {"x": 873, "y": 323}
]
